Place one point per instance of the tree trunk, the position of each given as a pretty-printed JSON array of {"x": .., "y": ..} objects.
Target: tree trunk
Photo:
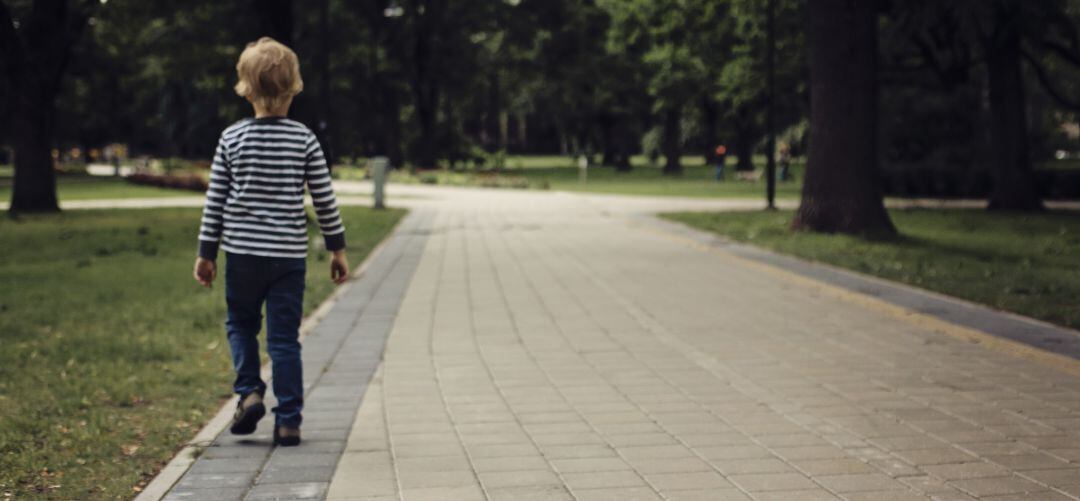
[
  {"x": 34, "y": 187},
  {"x": 607, "y": 139},
  {"x": 709, "y": 115},
  {"x": 522, "y": 132},
  {"x": 1014, "y": 183},
  {"x": 670, "y": 143},
  {"x": 841, "y": 192},
  {"x": 391, "y": 105},
  {"x": 426, "y": 87},
  {"x": 326, "y": 123},
  {"x": 35, "y": 58},
  {"x": 744, "y": 150},
  {"x": 623, "y": 144}
]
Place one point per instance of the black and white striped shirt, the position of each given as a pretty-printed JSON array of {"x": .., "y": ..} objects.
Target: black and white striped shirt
[{"x": 255, "y": 202}]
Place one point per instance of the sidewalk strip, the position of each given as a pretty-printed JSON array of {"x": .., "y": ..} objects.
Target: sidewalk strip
[{"x": 343, "y": 341}]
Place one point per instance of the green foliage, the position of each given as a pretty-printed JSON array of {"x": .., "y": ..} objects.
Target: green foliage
[
  {"x": 675, "y": 41},
  {"x": 113, "y": 356}
]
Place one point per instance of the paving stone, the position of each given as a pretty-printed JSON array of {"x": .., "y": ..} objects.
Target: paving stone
[
  {"x": 858, "y": 482},
  {"x": 797, "y": 495},
  {"x": 1040, "y": 495},
  {"x": 290, "y": 491},
  {"x": 668, "y": 482},
  {"x": 530, "y": 493},
  {"x": 602, "y": 479},
  {"x": 446, "y": 478},
  {"x": 772, "y": 482},
  {"x": 921, "y": 457},
  {"x": 293, "y": 475},
  {"x": 1021, "y": 462},
  {"x": 619, "y": 494},
  {"x": 891, "y": 495},
  {"x": 214, "y": 494},
  {"x": 677, "y": 465},
  {"x": 470, "y": 493},
  {"x": 215, "y": 480},
  {"x": 734, "y": 452},
  {"x": 707, "y": 495},
  {"x": 961, "y": 471},
  {"x": 226, "y": 465},
  {"x": 982, "y": 487},
  {"x": 741, "y": 466},
  {"x": 520, "y": 478},
  {"x": 815, "y": 467}
]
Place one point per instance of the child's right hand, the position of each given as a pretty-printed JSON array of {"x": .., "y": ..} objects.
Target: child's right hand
[{"x": 205, "y": 271}]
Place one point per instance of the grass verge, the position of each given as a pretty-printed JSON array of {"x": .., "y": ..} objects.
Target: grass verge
[
  {"x": 113, "y": 356},
  {"x": 560, "y": 173},
  {"x": 1024, "y": 263},
  {"x": 91, "y": 188}
]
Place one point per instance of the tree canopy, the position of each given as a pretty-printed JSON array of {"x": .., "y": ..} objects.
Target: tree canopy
[{"x": 433, "y": 83}]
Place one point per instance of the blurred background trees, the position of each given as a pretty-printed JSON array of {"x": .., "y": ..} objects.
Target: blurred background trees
[{"x": 974, "y": 95}]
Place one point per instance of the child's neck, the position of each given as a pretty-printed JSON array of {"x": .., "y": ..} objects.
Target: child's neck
[{"x": 261, "y": 112}]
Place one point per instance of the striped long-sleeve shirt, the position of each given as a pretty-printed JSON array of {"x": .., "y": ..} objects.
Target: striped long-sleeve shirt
[{"x": 255, "y": 202}]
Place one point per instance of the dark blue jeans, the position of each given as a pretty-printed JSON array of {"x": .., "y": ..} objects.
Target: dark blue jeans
[{"x": 251, "y": 281}]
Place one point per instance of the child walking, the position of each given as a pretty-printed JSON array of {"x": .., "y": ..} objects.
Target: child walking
[{"x": 255, "y": 212}]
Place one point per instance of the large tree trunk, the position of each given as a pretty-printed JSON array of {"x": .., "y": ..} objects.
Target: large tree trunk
[
  {"x": 1014, "y": 183},
  {"x": 35, "y": 179},
  {"x": 842, "y": 192},
  {"x": 709, "y": 115},
  {"x": 743, "y": 147},
  {"x": 522, "y": 122},
  {"x": 623, "y": 141},
  {"x": 35, "y": 59},
  {"x": 607, "y": 139},
  {"x": 426, "y": 86},
  {"x": 671, "y": 141},
  {"x": 326, "y": 122}
]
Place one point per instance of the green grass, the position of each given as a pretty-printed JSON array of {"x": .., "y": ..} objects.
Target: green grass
[
  {"x": 561, "y": 173},
  {"x": 1024, "y": 263},
  {"x": 92, "y": 188},
  {"x": 1064, "y": 164},
  {"x": 112, "y": 355},
  {"x": 696, "y": 181}
]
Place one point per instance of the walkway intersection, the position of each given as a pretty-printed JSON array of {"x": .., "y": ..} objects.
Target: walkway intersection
[{"x": 559, "y": 347}]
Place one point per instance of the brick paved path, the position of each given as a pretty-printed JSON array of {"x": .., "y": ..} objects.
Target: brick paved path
[
  {"x": 558, "y": 347},
  {"x": 553, "y": 349}
]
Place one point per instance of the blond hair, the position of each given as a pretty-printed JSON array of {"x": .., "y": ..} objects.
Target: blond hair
[{"x": 268, "y": 73}]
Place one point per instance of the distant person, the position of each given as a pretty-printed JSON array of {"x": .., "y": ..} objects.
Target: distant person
[
  {"x": 721, "y": 159},
  {"x": 255, "y": 210},
  {"x": 784, "y": 161}
]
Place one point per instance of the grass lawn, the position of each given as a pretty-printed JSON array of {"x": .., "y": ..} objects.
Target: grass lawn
[
  {"x": 112, "y": 355},
  {"x": 1024, "y": 263},
  {"x": 91, "y": 188},
  {"x": 696, "y": 181},
  {"x": 561, "y": 173}
]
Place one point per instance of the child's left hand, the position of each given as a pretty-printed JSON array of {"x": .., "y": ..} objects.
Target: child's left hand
[
  {"x": 339, "y": 267},
  {"x": 205, "y": 271}
]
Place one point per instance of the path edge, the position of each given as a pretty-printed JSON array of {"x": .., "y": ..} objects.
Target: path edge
[
  {"x": 933, "y": 322},
  {"x": 182, "y": 461}
]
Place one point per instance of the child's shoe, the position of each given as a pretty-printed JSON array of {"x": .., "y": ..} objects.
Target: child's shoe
[
  {"x": 286, "y": 436},
  {"x": 249, "y": 411}
]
